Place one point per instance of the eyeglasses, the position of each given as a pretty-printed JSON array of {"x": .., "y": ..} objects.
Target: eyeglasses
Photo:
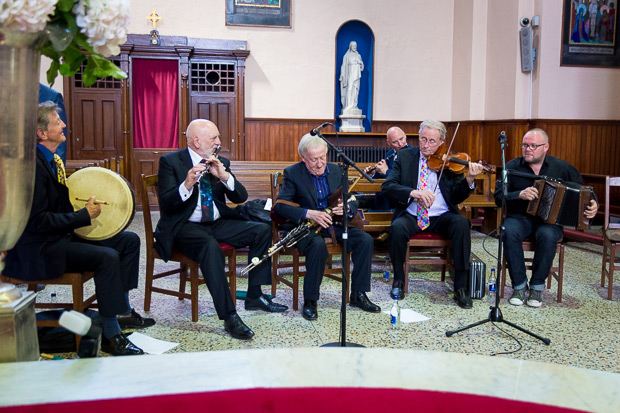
[
  {"x": 531, "y": 146},
  {"x": 431, "y": 142}
]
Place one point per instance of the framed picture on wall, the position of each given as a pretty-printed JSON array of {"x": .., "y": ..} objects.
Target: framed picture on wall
[
  {"x": 590, "y": 33},
  {"x": 265, "y": 13}
]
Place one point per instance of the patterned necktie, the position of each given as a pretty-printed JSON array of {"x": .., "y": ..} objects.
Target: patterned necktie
[
  {"x": 423, "y": 221},
  {"x": 206, "y": 199},
  {"x": 60, "y": 170}
]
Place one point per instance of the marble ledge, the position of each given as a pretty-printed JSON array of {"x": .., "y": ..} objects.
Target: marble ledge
[{"x": 89, "y": 379}]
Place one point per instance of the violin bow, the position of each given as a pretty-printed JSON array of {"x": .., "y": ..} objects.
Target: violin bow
[{"x": 447, "y": 156}]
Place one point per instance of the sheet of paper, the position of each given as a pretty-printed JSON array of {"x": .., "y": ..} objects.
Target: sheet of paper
[
  {"x": 151, "y": 345},
  {"x": 410, "y": 316}
]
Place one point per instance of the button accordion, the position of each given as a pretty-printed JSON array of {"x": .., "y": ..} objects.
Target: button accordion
[{"x": 561, "y": 203}]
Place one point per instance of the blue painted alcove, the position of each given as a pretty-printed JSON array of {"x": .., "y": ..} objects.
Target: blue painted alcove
[{"x": 359, "y": 32}]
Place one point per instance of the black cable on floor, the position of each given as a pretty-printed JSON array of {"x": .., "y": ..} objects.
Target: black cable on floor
[{"x": 510, "y": 335}]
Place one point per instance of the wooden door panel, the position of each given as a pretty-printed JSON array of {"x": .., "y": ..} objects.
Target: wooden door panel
[
  {"x": 96, "y": 125},
  {"x": 146, "y": 161},
  {"x": 222, "y": 112}
]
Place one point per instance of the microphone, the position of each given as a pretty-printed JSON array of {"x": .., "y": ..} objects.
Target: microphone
[
  {"x": 82, "y": 325},
  {"x": 315, "y": 131},
  {"x": 502, "y": 137}
]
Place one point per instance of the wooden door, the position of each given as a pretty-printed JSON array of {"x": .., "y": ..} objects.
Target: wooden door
[
  {"x": 95, "y": 120},
  {"x": 213, "y": 95}
]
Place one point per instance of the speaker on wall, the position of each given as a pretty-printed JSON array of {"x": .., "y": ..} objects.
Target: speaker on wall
[{"x": 527, "y": 51}]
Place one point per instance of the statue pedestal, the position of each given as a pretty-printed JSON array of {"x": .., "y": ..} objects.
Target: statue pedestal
[{"x": 352, "y": 121}]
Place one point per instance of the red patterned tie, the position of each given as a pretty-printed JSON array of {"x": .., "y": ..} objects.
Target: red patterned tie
[{"x": 423, "y": 221}]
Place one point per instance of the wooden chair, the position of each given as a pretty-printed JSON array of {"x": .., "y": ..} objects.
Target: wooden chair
[
  {"x": 297, "y": 261},
  {"x": 427, "y": 248},
  {"x": 74, "y": 279},
  {"x": 611, "y": 240},
  {"x": 557, "y": 271},
  {"x": 149, "y": 184}
]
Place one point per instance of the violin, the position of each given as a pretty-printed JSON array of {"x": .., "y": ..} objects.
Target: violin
[{"x": 456, "y": 162}]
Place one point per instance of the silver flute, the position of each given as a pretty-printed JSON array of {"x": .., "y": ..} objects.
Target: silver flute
[{"x": 215, "y": 152}]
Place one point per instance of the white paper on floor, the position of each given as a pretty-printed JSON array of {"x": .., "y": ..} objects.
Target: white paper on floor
[
  {"x": 151, "y": 345},
  {"x": 409, "y": 316}
]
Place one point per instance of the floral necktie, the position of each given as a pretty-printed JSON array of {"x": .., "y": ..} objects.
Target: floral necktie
[
  {"x": 60, "y": 170},
  {"x": 423, "y": 221}
]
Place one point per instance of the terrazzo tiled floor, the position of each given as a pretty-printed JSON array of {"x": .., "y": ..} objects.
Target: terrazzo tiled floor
[{"x": 583, "y": 329}]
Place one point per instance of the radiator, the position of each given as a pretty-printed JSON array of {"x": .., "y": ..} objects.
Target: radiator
[{"x": 366, "y": 154}]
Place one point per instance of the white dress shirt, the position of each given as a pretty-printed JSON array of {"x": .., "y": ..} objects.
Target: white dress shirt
[{"x": 185, "y": 193}]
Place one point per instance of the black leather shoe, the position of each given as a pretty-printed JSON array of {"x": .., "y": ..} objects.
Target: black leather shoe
[
  {"x": 462, "y": 298},
  {"x": 397, "y": 290},
  {"x": 134, "y": 320},
  {"x": 309, "y": 311},
  {"x": 237, "y": 328},
  {"x": 119, "y": 345},
  {"x": 264, "y": 303},
  {"x": 360, "y": 299}
]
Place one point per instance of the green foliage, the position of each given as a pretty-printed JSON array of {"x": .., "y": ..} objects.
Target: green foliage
[{"x": 68, "y": 60}]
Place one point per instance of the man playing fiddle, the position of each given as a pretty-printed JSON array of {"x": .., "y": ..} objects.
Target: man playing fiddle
[
  {"x": 519, "y": 225},
  {"x": 424, "y": 206}
]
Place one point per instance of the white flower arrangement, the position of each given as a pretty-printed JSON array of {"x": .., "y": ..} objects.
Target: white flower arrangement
[
  {"x": 76, "y": 30},
  {"x": 26, "y": 15}
]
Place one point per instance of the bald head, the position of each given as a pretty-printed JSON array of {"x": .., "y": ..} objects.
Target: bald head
[
  {"x": 396, "y": 138},
  {"x": 202, "y": 137}
]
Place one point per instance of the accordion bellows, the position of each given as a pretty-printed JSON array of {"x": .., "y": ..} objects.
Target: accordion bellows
[{"x": 561, "y": 204}]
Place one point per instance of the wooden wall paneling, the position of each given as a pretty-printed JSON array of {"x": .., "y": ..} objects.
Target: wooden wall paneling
[{"x": 146, "y": 161}]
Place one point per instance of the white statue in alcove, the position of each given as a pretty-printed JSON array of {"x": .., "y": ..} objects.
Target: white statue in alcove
[{"x": 350, "y": 75}]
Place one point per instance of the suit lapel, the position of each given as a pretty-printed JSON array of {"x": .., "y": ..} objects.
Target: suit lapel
[
  {"x": 415, "y": 168},
  {"x": 308, "y": 183}
]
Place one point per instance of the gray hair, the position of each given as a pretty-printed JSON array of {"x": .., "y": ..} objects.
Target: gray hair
[
  {"x": 308, "y": 141},
  {"x": 434, "y": 124},
  {"x": 43, "y": 112}
]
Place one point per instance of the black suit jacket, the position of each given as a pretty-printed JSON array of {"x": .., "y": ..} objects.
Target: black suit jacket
[
  {"x": 298, "y": 187},
  {"x": 41, "y": 252},
  {"x": 404, "y": 178},
  {"x": 174, "y": 212}
]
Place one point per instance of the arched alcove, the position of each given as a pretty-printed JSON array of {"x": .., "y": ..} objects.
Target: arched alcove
[{"x": 358, "y": 31}]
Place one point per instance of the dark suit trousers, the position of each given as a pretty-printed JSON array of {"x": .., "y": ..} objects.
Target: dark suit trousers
[
  {"x": 115, "y": 262},
  {"x": 518, "y": 228},
  {"x": 199, "y": 241},
  {"x": 313, "y": 247},
  {"x": 449, "y": 225}
]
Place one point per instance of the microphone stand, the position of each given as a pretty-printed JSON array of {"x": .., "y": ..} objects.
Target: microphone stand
[
  {"x": 344, "y": 163},
  {"x": 495, "y": 315}
]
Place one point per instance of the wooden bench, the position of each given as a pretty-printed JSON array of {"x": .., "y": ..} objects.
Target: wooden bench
[
  {"x": 255, "y": 176},
  {"x": 480, "y": 207}
]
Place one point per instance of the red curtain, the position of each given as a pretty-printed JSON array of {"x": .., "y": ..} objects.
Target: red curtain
[{"x": 155, "y": 103}]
